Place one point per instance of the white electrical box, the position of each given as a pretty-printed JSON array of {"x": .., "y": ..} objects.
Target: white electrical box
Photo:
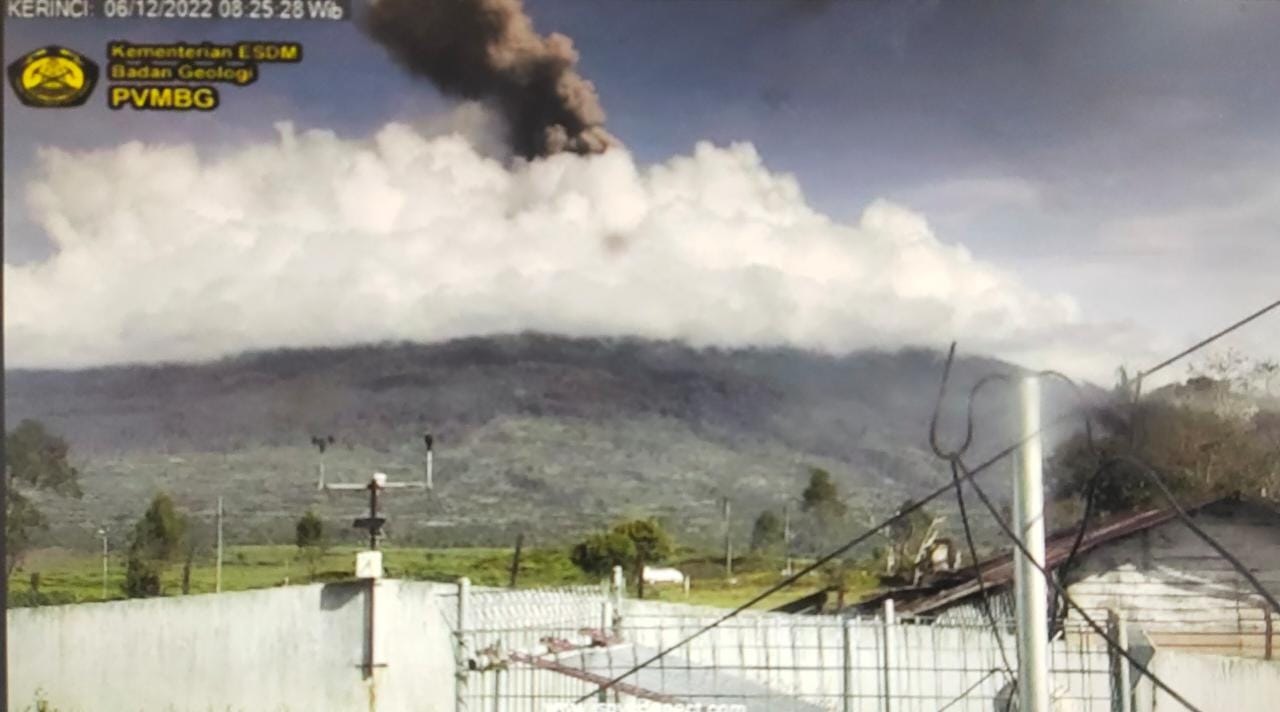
[{"x": 369, "y": 565}]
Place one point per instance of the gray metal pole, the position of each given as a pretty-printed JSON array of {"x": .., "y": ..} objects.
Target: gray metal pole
[
  {"x": 846, "y": 686},
  {"x": 429, "y": 440},
  {"x": 619, "y": 587},
  {"x": 217, "y": 577},
  {"x": 728, "y": 540},
  {"x": 1029, "y": 582},
  {"x": 890, "y": 623},
  {"x": 103, "y": 533},
  {"x": 497, "y": 680},
  {"x": 786, "y": 537},
  {"x": 464, "y": 593}
]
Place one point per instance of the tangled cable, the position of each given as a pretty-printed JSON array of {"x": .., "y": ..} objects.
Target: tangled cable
[{"x": 961, "y": 474}]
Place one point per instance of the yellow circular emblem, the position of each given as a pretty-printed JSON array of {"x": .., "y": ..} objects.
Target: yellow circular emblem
[{"x": 53, "y": 77}]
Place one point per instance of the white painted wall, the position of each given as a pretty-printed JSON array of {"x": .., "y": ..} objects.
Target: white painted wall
[
  {"x": 1170, "y": 583},
  {"x": 1216, "y": 683},
  {"x": 294, "y": 648}
]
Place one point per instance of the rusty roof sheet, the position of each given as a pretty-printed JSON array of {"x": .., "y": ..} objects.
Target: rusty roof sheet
[{"x": 998, "y": 571}]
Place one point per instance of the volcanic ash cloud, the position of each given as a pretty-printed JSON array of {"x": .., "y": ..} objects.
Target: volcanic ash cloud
[{"x": 488, "y": 50}]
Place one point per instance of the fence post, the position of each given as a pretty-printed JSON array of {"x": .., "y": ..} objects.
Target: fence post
[
  {"x": 606, "y": 624},
  {"x": 497, "y": 677},
  {"x": 619, "y": 586},
  {"x": 846, "y": 683},
  {"x": 890, "y": 620},
  {"x": 1121, "y": 688},
  {"x": 464, "y": 593}
]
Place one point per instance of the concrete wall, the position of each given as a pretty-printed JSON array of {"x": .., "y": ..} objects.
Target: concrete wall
[
  {"x": 293, "y": 648},
  {"x": 1216, "y": 683}
]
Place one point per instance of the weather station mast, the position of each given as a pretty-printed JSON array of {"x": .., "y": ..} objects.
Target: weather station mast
[{"x": 369, "y": 563}]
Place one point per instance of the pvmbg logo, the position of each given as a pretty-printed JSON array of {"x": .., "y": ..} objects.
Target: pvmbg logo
[{"x": 53, "y": 77}]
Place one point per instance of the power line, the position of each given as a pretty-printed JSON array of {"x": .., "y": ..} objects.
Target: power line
[
  {"x": 970, "y": 689},
  {"x": 1207, "y": 340},
  {"x": 861, "y": 538},
  {"x": 966, "y": 476},
  {"x": 1151, "y": 474},
  {"x": 1062, "y": 591},
  {"x": 956, "y": 462},
  {"x": 954, "y": 459}
]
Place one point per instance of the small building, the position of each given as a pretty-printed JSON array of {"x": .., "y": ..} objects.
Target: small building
[
  {"x": 1148, "y": 566},
  {"x": 656, "y": 575}
]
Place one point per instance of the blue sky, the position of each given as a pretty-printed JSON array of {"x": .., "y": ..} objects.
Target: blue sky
[{"x": 1125, "y": 154}]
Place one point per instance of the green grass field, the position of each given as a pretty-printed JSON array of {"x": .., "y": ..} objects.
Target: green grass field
[{"x": 76, "y": 577}]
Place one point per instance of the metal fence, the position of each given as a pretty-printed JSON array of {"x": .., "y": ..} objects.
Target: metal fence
[{"x": 543, "y": 650}]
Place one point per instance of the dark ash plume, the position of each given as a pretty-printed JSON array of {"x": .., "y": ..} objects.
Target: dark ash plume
[{"x": 488, "y": 49}]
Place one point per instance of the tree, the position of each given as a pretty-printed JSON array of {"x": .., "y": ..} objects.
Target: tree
[
  {"x": 1215, "y": 434},
  {"x": 157, "y": 539},
  {"x": 1242, "y": 374},
  {"x": 141, "y": 578},
  {"x": 309, "y": 531},
  {"x": 821, "y": 496},
  {"x": 652, "y": 544},
  {"x": 35, "y": 459},
  {"x": 826, "y": 511},
  {"x": 309, "y": 536},
  {"x": 599, "y": 553},
  {"x": 767, "y": 534},
  {"x": 1198, "y": 450},
  {"x": 631, "y": 545}
]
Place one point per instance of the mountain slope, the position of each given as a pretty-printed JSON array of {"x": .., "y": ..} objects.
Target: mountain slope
[{"x": 535, "y": 433}]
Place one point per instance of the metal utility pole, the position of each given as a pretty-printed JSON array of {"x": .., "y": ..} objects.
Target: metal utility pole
[
  {"x": 728, "y": 541},
  {"x": 1029, "y": 582},
  {"x": 103, "y": 533},
  {"x": 217, "y": 580},
  {"x": 321, "y": 444},
  {"x": 786, "y": 536},
  {"x": 515, "y": 560},
  {"x": 430, "y": 441}
]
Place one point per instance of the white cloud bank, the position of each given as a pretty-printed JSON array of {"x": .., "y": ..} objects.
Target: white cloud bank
[{"x": 165, "y": 254}]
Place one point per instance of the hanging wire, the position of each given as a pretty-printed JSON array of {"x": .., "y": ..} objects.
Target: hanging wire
[
  {"x": 954, "y": 459},
  {"x": 1111, "y": 642},
  {"x": 966, "y": 475},
  {"x": 826, "y": 558}
]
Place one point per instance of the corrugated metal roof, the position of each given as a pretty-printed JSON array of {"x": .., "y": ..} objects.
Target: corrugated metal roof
[{"x": 998, "y": 571}]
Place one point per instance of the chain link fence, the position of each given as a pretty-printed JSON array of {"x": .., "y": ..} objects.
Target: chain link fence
[{"x": 546, "y": 649}]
